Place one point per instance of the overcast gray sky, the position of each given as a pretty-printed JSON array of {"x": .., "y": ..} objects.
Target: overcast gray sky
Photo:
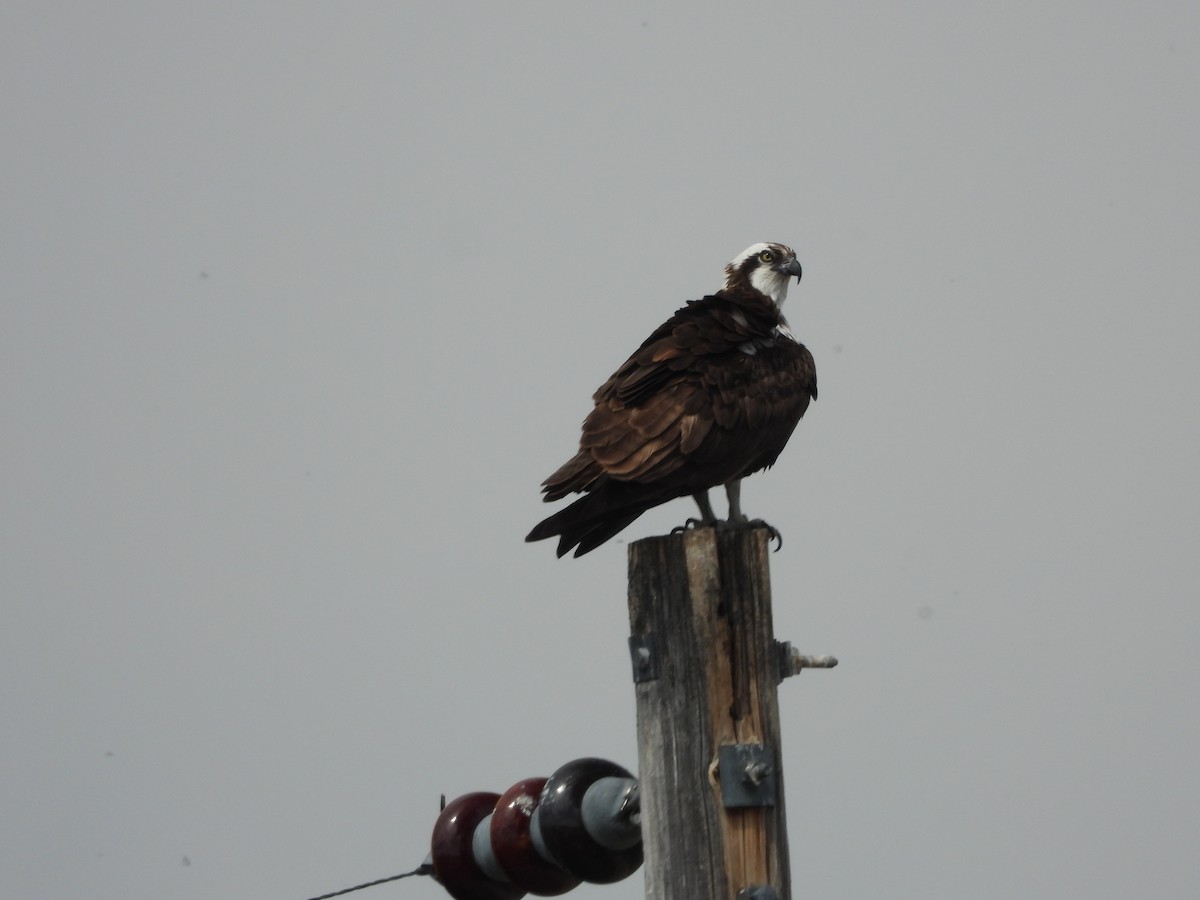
[{"x": 299, "y": 302}]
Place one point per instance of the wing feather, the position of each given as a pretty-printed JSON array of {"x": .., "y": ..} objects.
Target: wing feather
[
  {"x": 690, "y": 407},
  {"x": 692, "y": 430}
]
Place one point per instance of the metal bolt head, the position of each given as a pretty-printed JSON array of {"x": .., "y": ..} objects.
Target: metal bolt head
[{"x": 757, "y": 772}]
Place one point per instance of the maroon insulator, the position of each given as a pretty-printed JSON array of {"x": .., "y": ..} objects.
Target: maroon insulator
[
  {"x": 454, "y": 864},
  {"x": 513, "y": 847},
  {"x": 560, "y": 822}
]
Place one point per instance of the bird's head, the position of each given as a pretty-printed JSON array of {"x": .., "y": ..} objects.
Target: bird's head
[{"x": 765, "y": 268}]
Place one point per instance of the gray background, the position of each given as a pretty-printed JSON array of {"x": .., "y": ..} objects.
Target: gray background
[{"x": 301, "y": 301}]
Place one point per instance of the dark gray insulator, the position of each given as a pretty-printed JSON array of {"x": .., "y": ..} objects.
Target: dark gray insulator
[{"x": 612, "y": 812}]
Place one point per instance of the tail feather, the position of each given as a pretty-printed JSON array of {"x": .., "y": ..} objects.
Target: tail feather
[
  {"x": 595, "y": 517},
  {"x": 590, "y": 535}
]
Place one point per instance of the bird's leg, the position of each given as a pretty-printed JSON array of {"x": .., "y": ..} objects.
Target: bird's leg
[
  {"x": 738, "y": 519},
  {"x": 733, "y": 490},
  {"x": 707, "y": 518}
]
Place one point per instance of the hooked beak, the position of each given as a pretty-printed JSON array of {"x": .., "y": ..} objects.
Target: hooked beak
[{"x": 792, "y": 268}]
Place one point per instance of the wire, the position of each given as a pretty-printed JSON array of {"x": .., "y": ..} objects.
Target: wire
[{"x": 423, "y": 869}]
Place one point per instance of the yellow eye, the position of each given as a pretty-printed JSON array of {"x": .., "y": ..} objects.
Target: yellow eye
[{"x": 766, "y": 256}]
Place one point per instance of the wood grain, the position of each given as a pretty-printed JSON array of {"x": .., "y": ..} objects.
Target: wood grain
[{"x": 705, "y": 599}]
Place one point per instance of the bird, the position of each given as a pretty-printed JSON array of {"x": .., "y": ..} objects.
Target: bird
[{"x": 710, "y": 397}]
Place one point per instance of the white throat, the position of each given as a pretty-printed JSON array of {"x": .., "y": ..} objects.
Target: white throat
[{"x": 773, "y": 284}]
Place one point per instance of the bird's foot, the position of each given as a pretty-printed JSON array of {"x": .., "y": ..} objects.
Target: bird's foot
[
  {"x": 693, "y": 524},
  {"x": 772, "y": 532},
  {"x": 743, "y": 522},
  {"x": 731, "y": 524}
]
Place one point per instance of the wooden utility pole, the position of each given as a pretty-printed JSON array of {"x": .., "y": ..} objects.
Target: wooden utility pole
[{"x": 706, "y": 667}]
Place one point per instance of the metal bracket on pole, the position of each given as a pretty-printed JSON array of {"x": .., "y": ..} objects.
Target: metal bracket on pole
[
  {"x": 758, "y": 892},
  {"x": 643, "y": 653},
  {"x": 748, "y": 775}
]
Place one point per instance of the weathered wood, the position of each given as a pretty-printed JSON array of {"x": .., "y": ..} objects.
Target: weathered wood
[{"x": 702, "y": 600}]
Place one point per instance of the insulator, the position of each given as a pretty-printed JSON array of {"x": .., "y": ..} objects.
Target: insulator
[
  {"x": 559, "y": 820},
  {"x": 481, "y": 849},
  {"x": 454, "y": 864},
  {"x": 513, "y": 846},
  {"x": 612, "y": 812}
]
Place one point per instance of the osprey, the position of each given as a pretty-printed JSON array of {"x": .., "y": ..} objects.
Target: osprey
[{"x": 710, "y": 397}]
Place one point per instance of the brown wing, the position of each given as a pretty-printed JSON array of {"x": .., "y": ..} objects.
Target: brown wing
[{"x": 710, "y": 392}]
